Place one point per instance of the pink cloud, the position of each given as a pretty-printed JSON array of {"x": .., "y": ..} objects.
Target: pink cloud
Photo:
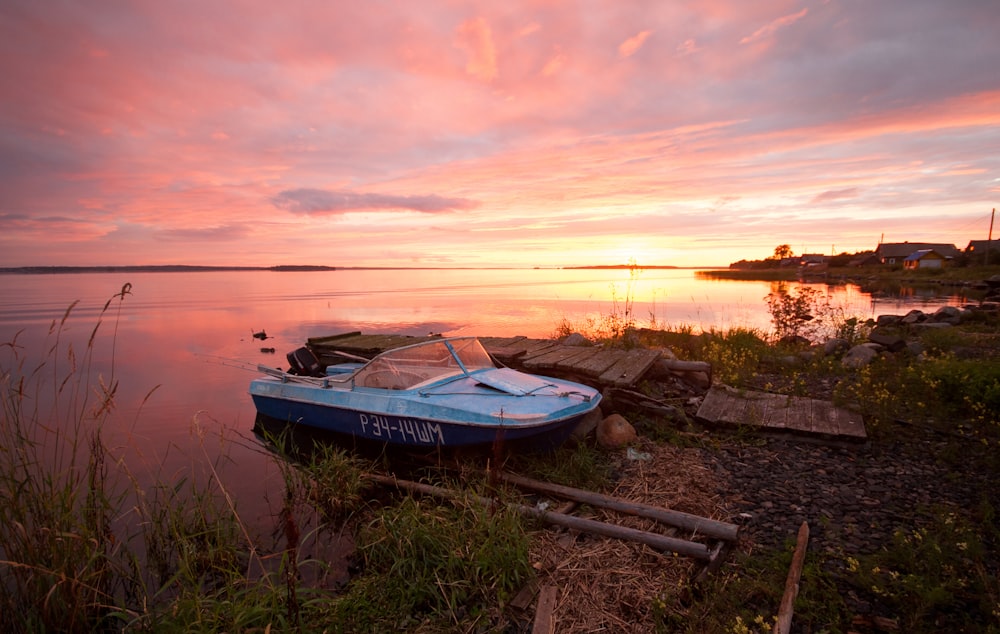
[
  {"x": 123, "y": 127},
  {"x": 629, "y": 47},
  {"x": 476, "y": 40},
  {"x": 769, "y": 29}
]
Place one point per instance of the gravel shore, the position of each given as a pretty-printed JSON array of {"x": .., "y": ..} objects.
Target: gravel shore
[{"x": 853, "y": 498}]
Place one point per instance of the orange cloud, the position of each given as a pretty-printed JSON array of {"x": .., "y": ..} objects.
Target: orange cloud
[
  {"x": 629, "y": 47},
  {"x": 476, "y": 39}
]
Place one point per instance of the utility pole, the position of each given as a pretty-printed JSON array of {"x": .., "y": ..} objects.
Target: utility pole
[{"x": 990, "y": 238}]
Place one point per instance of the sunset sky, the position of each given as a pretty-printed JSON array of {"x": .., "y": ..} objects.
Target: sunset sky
[{"x": 525, "y": 132}]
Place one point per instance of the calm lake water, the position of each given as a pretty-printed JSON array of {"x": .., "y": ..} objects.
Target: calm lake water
[{"x": 180, "y": 344}]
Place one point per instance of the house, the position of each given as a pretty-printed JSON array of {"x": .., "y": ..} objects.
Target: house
[
  {"x": 865, "y": 259},
  {"x": 812, "y": 259},
  {"x": 979, "y": 250},
  {"x": 924, "y": 259},
  {"x": 896, "y": 252}
]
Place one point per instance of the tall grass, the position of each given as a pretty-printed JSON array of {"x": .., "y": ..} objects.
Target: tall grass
[
  {"x": 85, "y": 546},
  {"x": 61, "y": 566}
]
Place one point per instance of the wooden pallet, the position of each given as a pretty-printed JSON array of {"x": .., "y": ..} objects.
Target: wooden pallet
[{"x": 781, "y": 413}]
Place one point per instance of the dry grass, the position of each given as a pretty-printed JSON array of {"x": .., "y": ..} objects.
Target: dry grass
[{"x": 612, "y": 585}]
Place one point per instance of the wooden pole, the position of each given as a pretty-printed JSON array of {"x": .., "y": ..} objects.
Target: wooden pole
[
  {"x": 660, "y": 542},
  {"x": 783, "y": 624},
  {"x": 989, "y": 238},
  {"x": 693, "y": 523}
]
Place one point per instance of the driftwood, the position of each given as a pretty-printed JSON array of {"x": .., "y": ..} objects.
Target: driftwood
[
  {"x": 622, "y": 397},
  {"x": 686, "y": 368},
  {"x": 686, "y": 521},
  {"x": 655, "y": 540},
  {"x": 783, "y": 623}
]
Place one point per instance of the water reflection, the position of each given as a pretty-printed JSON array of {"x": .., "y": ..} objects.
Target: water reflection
[{"x": 181, "y": 344}]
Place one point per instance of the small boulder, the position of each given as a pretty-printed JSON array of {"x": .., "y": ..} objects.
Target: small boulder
[
  {"x": 835, "y": 345},
  {"x": 947, "y": 315},
  {"x": 914, "y": 317},
  {"x": 859, "y": 356},
  {"x": 614, "y": 431},
  {"x": 889, "y": 340},
  {"x": 577, "y": 340}
]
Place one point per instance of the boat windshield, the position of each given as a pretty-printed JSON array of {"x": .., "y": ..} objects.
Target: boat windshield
[{"x": 406, "y": 368}]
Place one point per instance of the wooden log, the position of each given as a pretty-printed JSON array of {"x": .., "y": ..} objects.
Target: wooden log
[
  {"x": 687, "y": 366},
  {"x": 655, "y": 540},
  {"x": 686, "y": 521},
  {"x": 783, "y": 623}
]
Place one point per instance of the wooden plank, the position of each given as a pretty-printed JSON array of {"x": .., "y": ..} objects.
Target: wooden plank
[
  {"x": 537, "y": 347},
  {"x": 519, "y": 349},
  {"x": 714, "y": 405},
  {"x": 630, "y": 368},
  {"x": 554, "y": 357},
  {"x": 783, "y": 622},
  {"x": 572, "y": 364},
  {"x": 322, "y": 341},
  {"x": 499, "y": 342},
  {"x": 778, "y": 412},
  {"x": 797, "y": 412},
  {"x": 598, "y": 362},
  {"x": 544, "y": 614},
  {"x": 755, "y": 409},
  {"x": 851, "y": 424}
]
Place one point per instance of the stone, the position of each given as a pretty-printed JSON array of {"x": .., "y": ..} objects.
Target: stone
[
  {"x": 859, "y": 356},
  {"x": 947, "y": 315},
  {"x": 933, "y": 325},
  {"x": 589, "y": 423},
  {"x": 836, "y": 345},
  {"x": 913, "y": 317},
  {"x": 889, "y": 340},
  {"x": 577, "y": 340},
  {"x": 614, "y": 431}
]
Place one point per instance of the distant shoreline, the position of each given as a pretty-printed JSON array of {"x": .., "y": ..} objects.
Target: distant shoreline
[
  {"x": 166, "y": 268},
  {"x": 185, "y": 268}
]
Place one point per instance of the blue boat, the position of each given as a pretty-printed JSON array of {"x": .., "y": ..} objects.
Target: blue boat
[{"x": 444, "y": 393}]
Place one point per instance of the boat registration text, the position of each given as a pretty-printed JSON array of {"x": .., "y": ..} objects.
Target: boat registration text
[{"x": 401, "y": 429}]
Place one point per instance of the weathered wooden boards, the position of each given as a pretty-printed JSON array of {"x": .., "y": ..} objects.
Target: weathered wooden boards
[
  {"x": 777, "y": 412},
  {"x": 608, "y": 366},
  {"x": 613, "y": 367}
]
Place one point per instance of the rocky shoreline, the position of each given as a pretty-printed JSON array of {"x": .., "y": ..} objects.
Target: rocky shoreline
[{"x": 853, "y": 498}]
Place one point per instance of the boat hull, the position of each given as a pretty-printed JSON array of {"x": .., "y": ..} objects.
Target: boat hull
[
  {"x": 458, "y": 414},
  {"x": 414, "y": 431}
]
